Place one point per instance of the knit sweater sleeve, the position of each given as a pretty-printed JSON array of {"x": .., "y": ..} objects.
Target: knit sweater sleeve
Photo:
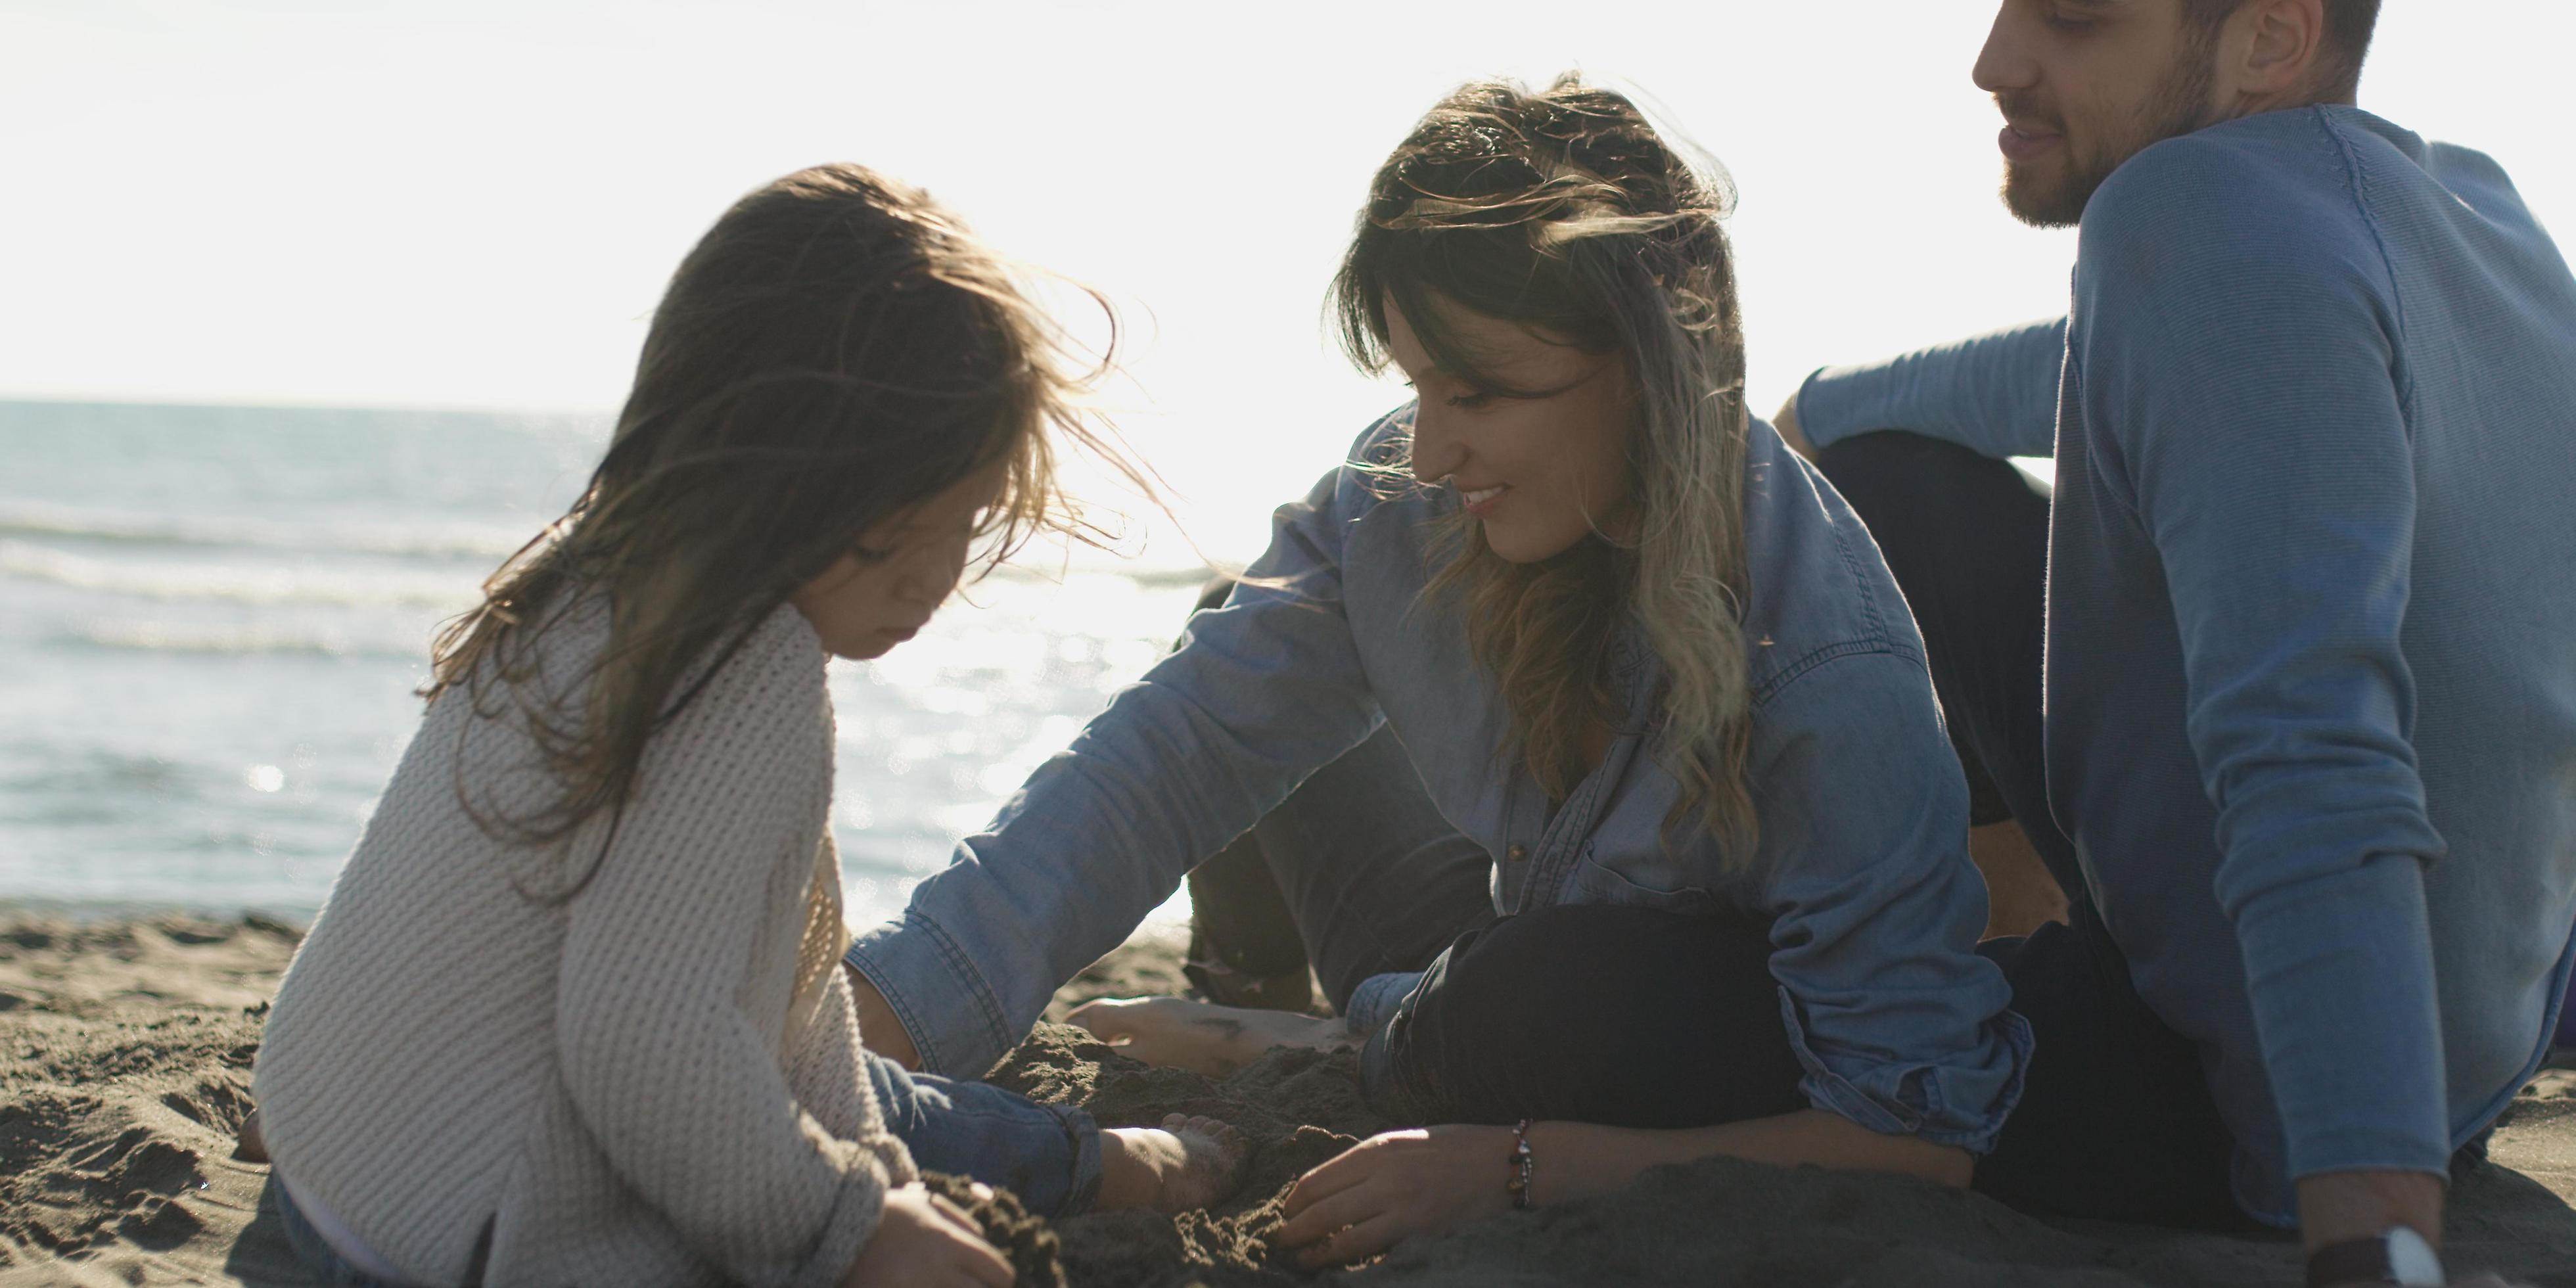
[
  {"x": 677, "y": 971},
  {"x": 1994, "y": 394},
  {"x": 829, "y": 1075},
  {"x": 2238, "y": 373}
]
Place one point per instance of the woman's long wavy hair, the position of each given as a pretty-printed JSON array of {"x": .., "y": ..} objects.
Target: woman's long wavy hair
[
  {"x": 1563, "y": 211},
  {"x": 835, "y": 350}
]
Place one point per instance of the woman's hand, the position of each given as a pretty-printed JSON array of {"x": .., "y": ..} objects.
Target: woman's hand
[
  {"x": 924, "y": 1239},
  {"x": 1394, "y": 1186}
]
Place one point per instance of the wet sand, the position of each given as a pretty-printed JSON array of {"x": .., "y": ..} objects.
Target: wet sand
[{"x": 125, "y": 1050}]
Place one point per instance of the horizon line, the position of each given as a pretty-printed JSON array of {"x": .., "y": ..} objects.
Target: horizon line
[{"x": 223, "y": 403}]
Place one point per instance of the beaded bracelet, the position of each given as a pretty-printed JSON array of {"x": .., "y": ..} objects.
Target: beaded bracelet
[{"x": 1518, "y": 1184}]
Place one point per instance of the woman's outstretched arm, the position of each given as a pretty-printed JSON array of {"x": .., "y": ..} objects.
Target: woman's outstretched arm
[
  {"x": 1262, "y": 692},
  {"x": 1429, "y": 1181}
]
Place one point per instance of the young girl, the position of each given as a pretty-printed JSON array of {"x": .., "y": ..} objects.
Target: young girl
[
  {"x": 1625, "y": 808},
  {"x": 571, "y": 1014}
]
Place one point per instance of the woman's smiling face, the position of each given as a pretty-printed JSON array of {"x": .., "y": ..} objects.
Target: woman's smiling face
[{"x": 1539, "y": 472}]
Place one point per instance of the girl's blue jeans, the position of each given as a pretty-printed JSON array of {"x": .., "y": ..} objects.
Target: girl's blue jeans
[{"x": 1049, "y": 1155}]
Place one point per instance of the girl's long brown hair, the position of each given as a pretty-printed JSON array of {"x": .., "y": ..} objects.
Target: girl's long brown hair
[
  {"x": 836, "y": 349},
  {"x": 1564, "y": 211}
]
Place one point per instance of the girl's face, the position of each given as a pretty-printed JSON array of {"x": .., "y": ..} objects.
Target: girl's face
[
  {"x": 879, "y": 594},
  {"x": 1539, "y": 473}
]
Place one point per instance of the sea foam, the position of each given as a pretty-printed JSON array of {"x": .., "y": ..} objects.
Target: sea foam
[
  {"x": 427, "y": 540},
  {"x": 257, "y": 584}
]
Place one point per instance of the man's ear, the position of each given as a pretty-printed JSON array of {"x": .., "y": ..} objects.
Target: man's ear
[{"x": 2275, "y": 50}]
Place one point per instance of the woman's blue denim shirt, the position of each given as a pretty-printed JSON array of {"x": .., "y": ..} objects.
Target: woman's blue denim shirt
[{"x": 1862, "y": 812}]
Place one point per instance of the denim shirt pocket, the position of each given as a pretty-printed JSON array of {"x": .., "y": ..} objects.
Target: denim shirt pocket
[{"x": 1646, "y": 881}]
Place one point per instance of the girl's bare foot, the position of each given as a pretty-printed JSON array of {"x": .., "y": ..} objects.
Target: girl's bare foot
[
  {"x": 1176, "y": 1033},
  {"x": 1188, "y": 1163}
]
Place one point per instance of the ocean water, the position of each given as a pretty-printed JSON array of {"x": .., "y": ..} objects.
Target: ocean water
[{"x": 212, "y": 622}]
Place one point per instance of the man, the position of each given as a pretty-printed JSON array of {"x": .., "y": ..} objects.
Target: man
[{"x": 2307, "y": 766}]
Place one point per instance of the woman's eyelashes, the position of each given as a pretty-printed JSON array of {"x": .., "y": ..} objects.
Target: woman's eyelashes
[{"x": 1465, "y": 400}]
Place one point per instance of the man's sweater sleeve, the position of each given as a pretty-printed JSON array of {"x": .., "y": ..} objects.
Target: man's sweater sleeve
[
  {"x": 1994, "y": 394},
  {"x": 2236, "y": 367}
]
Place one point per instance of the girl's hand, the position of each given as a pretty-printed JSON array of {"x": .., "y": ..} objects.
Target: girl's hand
[
  {"x": 924, "y": 1239},
  {"x": 251, "y": 1146},
  {"x": 1394, "y": 1186}
]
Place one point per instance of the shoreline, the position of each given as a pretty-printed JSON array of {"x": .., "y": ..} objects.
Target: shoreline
[{"x": 126, "y": 1042}]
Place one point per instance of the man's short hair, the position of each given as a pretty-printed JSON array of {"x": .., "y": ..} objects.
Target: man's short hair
[{"x": 2349, "y": 24}]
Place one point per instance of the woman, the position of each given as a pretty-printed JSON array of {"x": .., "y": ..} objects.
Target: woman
[{"x": 1639, "y": 658}]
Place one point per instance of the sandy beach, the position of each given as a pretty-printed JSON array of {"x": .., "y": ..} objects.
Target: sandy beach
[{"x": 125, "y": 1053}]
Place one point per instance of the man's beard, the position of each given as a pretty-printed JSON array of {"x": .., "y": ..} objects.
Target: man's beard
[{"x": 2179, "y": 105}]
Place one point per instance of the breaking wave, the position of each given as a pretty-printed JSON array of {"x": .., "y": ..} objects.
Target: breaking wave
[
  {"x": 237, "y": 584},
  {"x": 458, "y": 539},
  {"x": 167, "y": 637}
]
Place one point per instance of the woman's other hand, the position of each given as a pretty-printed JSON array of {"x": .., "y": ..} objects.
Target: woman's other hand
[
  {"x": 1177, "y": 1033},
  {"x": 925, "y": 1239},
  {"x": 1394, "y": 1186}
]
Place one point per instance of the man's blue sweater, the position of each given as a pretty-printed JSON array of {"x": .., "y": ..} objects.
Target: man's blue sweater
[{"x": 2311, "y": 690}]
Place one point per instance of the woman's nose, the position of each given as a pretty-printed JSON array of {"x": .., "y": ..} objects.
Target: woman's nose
[{"x": 1436, "y": 452}]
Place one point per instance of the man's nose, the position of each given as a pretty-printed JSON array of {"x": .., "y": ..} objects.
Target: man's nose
[{"x": 2003, "y": 65}]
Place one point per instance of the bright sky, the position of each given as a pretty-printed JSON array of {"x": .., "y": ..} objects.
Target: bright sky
[{"x": 476, "y": 203}]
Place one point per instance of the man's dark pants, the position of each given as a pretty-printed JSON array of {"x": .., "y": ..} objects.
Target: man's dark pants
[{"x": 2115, "y": 1119}]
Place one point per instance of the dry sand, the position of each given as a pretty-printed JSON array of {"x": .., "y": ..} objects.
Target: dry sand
[{"x": 125, "y": 1052}]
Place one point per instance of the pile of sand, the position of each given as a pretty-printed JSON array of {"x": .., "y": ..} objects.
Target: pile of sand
[{"x": 124, "y": 1068}]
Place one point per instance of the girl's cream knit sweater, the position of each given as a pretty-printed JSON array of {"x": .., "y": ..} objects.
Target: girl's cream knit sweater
[{"x": 657, "y": 1081}]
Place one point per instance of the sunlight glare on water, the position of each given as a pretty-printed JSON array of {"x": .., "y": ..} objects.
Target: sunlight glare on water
[{"x": 212, "y": 621}]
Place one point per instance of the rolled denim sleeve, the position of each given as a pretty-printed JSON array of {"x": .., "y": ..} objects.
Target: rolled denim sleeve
[
  {"x": 1262, "y": 692},
  {"x": 1994, "y": 394},
  {"x": 1900, "y": 1025}
]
